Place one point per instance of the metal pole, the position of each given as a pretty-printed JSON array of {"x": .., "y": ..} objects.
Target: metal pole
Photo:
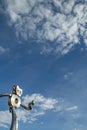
[{"x": 14, "y": 124}]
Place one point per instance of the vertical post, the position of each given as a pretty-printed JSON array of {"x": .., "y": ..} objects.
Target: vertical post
[{"x": 14, "y": 124}]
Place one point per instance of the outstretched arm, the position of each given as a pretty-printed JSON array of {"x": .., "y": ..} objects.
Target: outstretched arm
[
  {"x": 5, "y": 95},
  {"x": 29, "y": 107}
]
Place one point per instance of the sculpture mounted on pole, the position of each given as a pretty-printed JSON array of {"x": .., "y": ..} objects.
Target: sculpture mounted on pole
[{"x": 14, "y": 102}]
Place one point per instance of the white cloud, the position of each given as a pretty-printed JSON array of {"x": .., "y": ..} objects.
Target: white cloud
[
  {"x": 58, "y": 21},
  {"x": 73, "y": 108},
  {"x": 40, "y": 101},
  {"x": 68, "y": 75},
  {"x": 42, "y": 105},
  {"x": 5, "y": 121},
  {"x": 3, "y": 50},
  {"x": 67, "y": 6}
]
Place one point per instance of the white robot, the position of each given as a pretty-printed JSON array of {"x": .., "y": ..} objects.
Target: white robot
[{"x": 14, "y": 102}]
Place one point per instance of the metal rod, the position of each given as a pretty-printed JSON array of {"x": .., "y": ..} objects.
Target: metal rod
[
  {"x": 25, "y": 107},
  {"x": 29, "y": 107},
  {"x": 5, "y": 95}
]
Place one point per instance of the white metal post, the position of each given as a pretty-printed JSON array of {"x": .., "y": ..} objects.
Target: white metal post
[{"x": 14, "y": 124}]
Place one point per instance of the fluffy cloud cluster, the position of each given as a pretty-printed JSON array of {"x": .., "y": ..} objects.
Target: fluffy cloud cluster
[
  {"x": 4, "y": 122},
  {"x": 42, "y": 105},
  {"x": 59, "y": 22},
  {"x": 40, "y": 101}
]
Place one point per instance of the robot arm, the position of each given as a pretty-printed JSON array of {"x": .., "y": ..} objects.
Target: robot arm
[
  {"x": 29, "y": 107},
  {"x": 5, "y": 95}
]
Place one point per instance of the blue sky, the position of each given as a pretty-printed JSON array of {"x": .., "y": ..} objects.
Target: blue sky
[{"x": 43, "y": 49}]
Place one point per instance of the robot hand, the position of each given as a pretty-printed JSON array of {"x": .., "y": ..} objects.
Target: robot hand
[{"x": 29, "y": 105}]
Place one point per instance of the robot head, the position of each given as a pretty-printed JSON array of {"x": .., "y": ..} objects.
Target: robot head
[{"x": 17, "y": 90}]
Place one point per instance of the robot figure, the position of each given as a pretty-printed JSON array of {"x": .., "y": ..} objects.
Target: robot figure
[{"x": 14, "y": 102}]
